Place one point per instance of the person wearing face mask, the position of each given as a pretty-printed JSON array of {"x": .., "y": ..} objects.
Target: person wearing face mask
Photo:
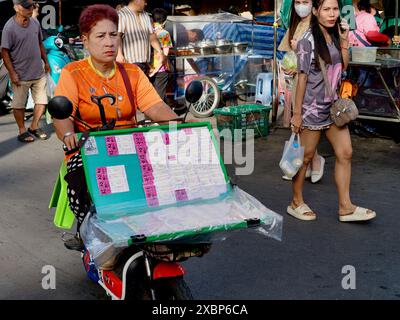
[
  {"x": 325, "y": 46},
  {"x": 300, "y": 19}
]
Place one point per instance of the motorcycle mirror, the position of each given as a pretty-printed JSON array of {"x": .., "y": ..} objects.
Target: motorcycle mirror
[
  {"x": 59, "y": 43},
  {"x": 194, "y": 91},
  {"x": 60, "y": 107}
]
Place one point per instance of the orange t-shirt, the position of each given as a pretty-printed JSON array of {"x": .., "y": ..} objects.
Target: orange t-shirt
[{"x": 79, "y": 81}]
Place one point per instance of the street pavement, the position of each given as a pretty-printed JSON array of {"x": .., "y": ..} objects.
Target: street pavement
[{"x": 306, "y": 264}]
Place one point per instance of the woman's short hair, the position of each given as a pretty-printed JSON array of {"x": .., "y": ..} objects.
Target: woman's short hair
[
  {"x": 95, "y": 13},
  {"x": 159, "y": 15}
]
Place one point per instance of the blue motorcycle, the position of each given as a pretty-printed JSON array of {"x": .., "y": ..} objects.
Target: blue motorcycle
[{"x": 57, "y": 55}]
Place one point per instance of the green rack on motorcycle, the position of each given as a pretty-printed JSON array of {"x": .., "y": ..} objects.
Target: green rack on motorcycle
[{"x": 155, "y": 188}]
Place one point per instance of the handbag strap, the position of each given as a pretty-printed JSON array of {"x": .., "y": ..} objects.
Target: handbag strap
[
  {"x": 322, "y": 65},
  {"x": 365, "y": 43},
  {"x": 128, "y": 87}
]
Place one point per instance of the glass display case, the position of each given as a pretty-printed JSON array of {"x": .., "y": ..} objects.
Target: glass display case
[{"x": 213, "y": 49}]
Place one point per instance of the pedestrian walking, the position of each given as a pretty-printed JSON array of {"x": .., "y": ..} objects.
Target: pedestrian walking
[
  {"x": 159, "y": 72},
  {"x": 324, "y": 45},
  {"x": 25, "y": 59},
  {"x": 136, "y": 30},
  {"x": 300, "y": 18}
]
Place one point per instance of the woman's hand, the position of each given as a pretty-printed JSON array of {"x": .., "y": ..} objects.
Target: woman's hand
[
  {"x": 293, "y": 44},
  {"x": 296, "y": 123},
  {"x": 344, "y": 30},
  {"x": 70, "y": 140}
]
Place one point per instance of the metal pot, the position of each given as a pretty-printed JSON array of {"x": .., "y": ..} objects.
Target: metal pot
[
  {"x": 220, "y": 42},
  {"x": 223, "y": 48},
  {"x": 205, "y": 47},
  {"x": 240, "y": 47}
]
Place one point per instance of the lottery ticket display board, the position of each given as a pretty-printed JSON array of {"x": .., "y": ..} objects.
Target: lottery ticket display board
[{"x": 133, "y": 171}]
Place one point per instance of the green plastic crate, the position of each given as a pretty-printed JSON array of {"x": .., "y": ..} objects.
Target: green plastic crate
[{"x": 239, "y": 118}]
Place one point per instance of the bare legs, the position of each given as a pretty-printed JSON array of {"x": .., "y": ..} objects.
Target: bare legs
[
  {"x": 309, "y": 140},
  {"x": 341, "y": 143},
  {"x": 37, "y": 114},
  {"x": 19, "y": 115}
]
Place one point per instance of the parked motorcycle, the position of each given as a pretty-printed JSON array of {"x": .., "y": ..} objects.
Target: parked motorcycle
[{"x": 142, "y": 271}]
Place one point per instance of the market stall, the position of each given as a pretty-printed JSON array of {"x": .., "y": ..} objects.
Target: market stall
[
  {"x": 232, "y": 51},
  {"x": 378, "y": 95}
]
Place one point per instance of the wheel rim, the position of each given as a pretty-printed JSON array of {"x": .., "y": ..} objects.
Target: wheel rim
[{"x": 208, "y": 100}]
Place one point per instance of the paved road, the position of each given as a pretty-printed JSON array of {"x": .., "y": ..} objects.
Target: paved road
[{"x": 306, "y": 264}]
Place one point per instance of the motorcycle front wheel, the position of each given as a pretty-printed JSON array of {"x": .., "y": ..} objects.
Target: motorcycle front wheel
[{"x": 168, "y": 289}]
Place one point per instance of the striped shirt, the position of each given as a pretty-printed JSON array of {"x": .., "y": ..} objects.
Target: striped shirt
[{"x": 136, "y": 35}]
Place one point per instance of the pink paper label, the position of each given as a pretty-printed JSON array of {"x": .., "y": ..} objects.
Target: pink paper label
[
  {"x": 143, "y": 158},
  {"x": 148, "y": 179},
  {"x": 181, "y": 195},
  {"x": 188, "y": 130},
  {"x": 150, "y": 191},
  {"x": 139, "y": 138},
  {"x": 141, "y": 149},
  {"x": 153, "y": 202},
  {"x": 165, "y": 137},
  {"x": 112, "y": 146},
  {"x": 151, "y": 195},
  {"x": 146, "y": 168},
  {"x": 102, "y": 181}
]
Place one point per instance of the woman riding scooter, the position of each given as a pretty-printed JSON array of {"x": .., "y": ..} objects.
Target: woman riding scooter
[{"x": 97, "y": 75}]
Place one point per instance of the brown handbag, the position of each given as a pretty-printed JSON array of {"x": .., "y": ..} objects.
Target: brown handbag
[{"x": 343, "y": 110}]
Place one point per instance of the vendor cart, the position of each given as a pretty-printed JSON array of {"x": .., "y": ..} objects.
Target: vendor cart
[
  {"x": 378, "y": 96},
  {"x": 212, "y": 49}
]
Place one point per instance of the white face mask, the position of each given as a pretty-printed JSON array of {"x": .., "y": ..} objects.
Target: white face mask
[{"x": 303, "y": 10}]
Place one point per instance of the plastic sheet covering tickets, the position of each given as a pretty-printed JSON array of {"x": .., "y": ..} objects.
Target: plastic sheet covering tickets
[
  {"x": 107, "y": 239},
  {"x": 196, "y": 208}
]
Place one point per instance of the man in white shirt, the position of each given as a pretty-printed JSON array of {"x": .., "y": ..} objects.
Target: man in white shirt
[{"x": 137, "y": 35}]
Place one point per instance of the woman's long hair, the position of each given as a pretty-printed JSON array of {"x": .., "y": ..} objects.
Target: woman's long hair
[
  {"x": 321, "y": 47},
  {"x": 294, "y": 22}
]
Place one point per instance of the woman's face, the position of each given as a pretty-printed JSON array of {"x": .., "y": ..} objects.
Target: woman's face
[
  {"x": 103, "y": 41},
  {"x": 303, "y": 8},
  {"x": 327, "y": 13}
]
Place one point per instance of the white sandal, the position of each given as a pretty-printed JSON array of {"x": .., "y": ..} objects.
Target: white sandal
[
  {"x": 300, "y": 211},
  {"x": 360, "y": 214},
  {"x": 317, "y": 175}
]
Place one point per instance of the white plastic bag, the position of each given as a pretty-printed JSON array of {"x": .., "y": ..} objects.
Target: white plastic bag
[
  {"x": 51, "y": 86},
  {"x": 292, "y": 157}
]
